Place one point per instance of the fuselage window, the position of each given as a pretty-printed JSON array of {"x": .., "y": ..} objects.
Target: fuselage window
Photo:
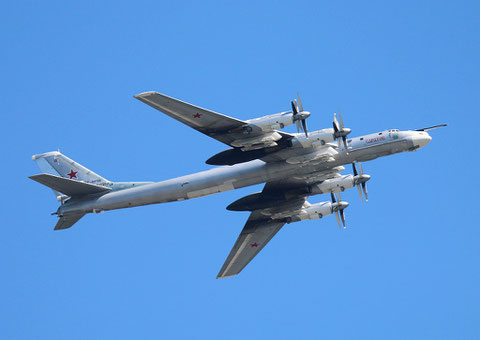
[
  {"x": 361, "y": 138},
  {"x": 380, "y": 133}
]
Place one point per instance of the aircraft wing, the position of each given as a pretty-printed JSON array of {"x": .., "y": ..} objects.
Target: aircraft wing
[
  {"x": 287, "y": 195},
  {"x": 228, "y": 130},
  {"x": 255, "y": 235}
]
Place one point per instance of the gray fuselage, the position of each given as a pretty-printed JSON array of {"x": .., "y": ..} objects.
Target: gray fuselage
[{"x": 360, "y": 149}]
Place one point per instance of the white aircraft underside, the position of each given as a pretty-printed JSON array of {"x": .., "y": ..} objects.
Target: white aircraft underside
[{"x": 293, "y": 166}]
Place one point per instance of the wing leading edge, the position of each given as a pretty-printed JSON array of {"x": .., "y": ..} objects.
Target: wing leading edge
[
  {"x": 211, "y": 123},
  {"x": 231, "y": 131}
]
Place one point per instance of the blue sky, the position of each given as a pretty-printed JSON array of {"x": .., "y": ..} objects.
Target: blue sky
[{"x": 407, "y": 266}]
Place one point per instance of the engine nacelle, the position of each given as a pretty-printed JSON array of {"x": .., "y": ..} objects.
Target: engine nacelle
[
  {"x": 313, "y": 212},
  {"x": 273, "y": 122},
  {"x": 315, "y": 138},
  {"x": 334, "y": 185}
]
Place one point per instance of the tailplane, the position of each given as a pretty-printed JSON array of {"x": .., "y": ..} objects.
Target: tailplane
[
  {"x": 72, "y": 182},
  {"x": 66, "y": 221},
  {"x": 67, "y": 186},
  {"x": 68, "y": 180},
  {"x": 57, "y": 164}
]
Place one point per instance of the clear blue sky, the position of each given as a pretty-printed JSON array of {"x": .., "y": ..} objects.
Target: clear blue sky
[{"x": 407, "y": 267}]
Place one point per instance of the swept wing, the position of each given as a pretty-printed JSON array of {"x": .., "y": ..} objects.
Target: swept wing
[
  {"x": 277, "y": 199},
  {"x": 231, "y": 131},
  {"x": 256, "y": 233}
]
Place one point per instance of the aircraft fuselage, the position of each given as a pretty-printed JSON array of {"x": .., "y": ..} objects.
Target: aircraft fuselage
[{"x": 225, "y": 178}]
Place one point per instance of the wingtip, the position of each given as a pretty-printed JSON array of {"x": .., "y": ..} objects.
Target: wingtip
[
  {"x": 222, "y": 275},
  {"x": 144, "y": 94}
]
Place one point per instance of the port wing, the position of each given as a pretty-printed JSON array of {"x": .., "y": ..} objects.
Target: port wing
[{"x": 231, "y": 131}]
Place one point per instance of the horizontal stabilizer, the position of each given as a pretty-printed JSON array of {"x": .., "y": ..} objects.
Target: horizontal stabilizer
[
  {"x": 67, "y": 186},
  {"x": 67, "y": 221}
]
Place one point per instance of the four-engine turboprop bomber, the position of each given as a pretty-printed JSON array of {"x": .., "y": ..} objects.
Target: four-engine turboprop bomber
[{"x": 293, "y": 166}]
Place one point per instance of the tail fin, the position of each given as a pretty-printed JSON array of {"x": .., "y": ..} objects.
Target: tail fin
[
  {"x": 55, "y": 163},
  {"x": 68, "y": 179}
]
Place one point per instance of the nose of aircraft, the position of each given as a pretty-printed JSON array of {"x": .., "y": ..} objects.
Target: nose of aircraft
[{"x": 421, "y": 139}]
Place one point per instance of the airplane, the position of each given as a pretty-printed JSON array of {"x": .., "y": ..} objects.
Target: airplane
[{"x": 293, "y": 166}]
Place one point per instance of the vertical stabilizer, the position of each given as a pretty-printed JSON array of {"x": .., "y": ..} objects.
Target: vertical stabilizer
[{"x": 55, "y": 163}]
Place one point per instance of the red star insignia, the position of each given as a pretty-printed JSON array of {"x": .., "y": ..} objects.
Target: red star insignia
[
  {"x": 197, "y": 115},
  {"x": 254, "y": 244},
  {"x": 72, "y": 174}
]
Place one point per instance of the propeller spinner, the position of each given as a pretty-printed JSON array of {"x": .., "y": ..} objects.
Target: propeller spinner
[
  {"x": 339, "y": 207},
  {"x": 361, "y": 179},
  {"x": 340, "y": 131}
]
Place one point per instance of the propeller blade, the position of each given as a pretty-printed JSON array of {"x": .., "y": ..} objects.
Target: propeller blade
[
  {"x": 342, "y": 215},
  {"x": 300, "y": 106},
  {"x": 355, "y": 173},
  {"x": 294, "y": 108},
  {"x": 304, "y": 125},
  {"x": 341, "y": 120},
  {"x": 344, "y": 139},
  {"x": 338, "y": 220},
  {"x": 299, "y": 126},
  {"x": 364, "y": 187},
  {"x": 360, "y": 192},
  {"x": 360, "y": 167},
  {"x": 333, "y": 197},
  {"x": 335, "y": 123}
]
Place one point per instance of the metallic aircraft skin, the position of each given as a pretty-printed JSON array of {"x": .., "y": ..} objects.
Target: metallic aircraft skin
[
  {"x": 292, "y": 166},
  {"x": 242, "y": 175}
]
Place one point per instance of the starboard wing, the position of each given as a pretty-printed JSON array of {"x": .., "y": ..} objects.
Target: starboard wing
[
  {"x": 253, "y": 238},
  {"x": 287, "y": 195},
  {"x": 255, "y": 235}
]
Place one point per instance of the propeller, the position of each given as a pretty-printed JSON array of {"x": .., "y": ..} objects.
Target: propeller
[
  {"x": 300, "y": 116},
  {"x": 339, "y": 207},
  {"x": 340, "y": 131},
  {"x": 360, "y": 179}
]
